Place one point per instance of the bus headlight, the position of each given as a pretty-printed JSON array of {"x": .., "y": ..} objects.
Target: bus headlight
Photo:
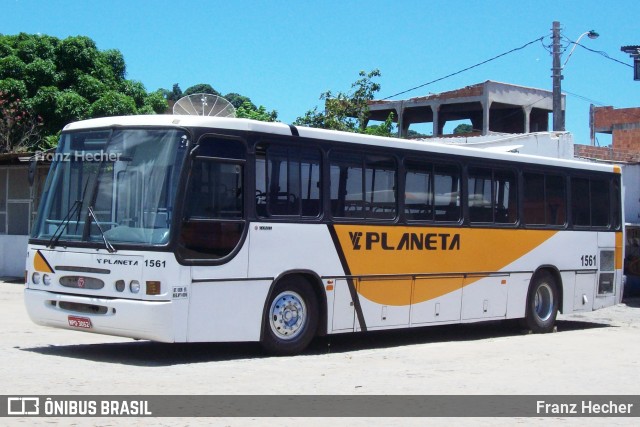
[
  {"x": 46, "y": 279},
  {"x": 35, "y": 278},
  {"x": 134, "y": 286},
  {"x": 120, "y": 285}
]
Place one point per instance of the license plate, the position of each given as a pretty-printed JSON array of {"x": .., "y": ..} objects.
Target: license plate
[{"x": 80, "y": 322}]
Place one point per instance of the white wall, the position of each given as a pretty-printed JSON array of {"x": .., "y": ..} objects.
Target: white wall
[
  {"x": 14, "y": 253},
  {"x": 631, "y": 186}
]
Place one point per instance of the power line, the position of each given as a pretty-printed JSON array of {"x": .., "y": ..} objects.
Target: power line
[
  {"x": 602, "y": 53},
  {"x": 584, "y": 98},
  {"x": 466, "y": 69}
]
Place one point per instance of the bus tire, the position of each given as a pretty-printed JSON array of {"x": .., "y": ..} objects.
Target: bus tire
[
  {"x": 542, "y": 304},
  {"x": 291, "y": 317}
]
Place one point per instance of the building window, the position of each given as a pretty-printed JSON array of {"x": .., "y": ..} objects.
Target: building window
[{"x": 15, "y": 201}]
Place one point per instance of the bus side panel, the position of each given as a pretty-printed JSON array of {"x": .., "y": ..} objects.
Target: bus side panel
[
  {"x": 223, "y": 304},
  {"x": 440, "y": 309},
  {"x": 284, "y": 248},
  {"x": 518, "y": 287},
  {"x": 227, "y": 311},
  {"x": 485, "y": 298}
]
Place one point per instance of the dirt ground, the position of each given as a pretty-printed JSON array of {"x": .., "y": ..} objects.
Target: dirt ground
[{"x": 592, "y": 353}]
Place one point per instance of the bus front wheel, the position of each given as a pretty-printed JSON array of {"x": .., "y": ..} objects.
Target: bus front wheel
[
  {"x": 542, "y": 304},
  {"x": 291, "y": 317}
]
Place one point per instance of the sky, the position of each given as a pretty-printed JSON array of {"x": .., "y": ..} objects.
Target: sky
[{"x": 284, "y": 54}]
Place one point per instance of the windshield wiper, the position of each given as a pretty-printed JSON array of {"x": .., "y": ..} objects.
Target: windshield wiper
[
  {"x": 108, "y": 245},
  {"x": 76, "y": 206}
]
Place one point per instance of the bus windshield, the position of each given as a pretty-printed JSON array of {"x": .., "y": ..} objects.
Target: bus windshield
[{"x": 117, "y": 185}]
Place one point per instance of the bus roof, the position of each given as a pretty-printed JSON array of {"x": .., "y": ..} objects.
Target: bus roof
[{"x": 160, "y": 120}]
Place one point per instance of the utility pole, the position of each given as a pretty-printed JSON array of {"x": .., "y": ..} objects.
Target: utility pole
[{"x": 558, "y": 113}]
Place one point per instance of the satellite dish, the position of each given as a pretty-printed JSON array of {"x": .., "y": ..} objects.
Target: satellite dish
[{"x": 204, "y": 104}]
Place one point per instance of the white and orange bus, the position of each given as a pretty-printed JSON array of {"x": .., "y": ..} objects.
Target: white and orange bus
[{"x": 193, "y": 229}]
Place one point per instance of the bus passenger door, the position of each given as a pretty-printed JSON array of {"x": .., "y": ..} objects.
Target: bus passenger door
[{"x": 213, "y": 232}]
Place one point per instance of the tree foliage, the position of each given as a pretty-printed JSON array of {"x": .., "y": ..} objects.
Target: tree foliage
[
  {"x": 19, "y": 126},
  {"x": 249, "y": 111},
  {"x": 462, "y": 128},
  {"x": 201, "y": 88},
  {"x": 66, "y": 80},
  {"x": 348, "y": 111},
  {"x": 245, "y": 108}
]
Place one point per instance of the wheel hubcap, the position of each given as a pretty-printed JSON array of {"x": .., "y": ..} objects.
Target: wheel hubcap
[
  {"x": 288, "y": 314},
  {"x": 544, "y": 302}
]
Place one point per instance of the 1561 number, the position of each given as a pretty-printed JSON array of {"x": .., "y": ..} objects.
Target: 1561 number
[
  {"x": 155, "y": 263},
  {"x": 588, "y": 260}
]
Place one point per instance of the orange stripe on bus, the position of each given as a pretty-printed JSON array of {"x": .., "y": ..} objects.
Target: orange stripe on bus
[
  {"x": 400, "y": 250},
  {"x": 618, "y": 257},
  {"x": 41, "y": 264}
]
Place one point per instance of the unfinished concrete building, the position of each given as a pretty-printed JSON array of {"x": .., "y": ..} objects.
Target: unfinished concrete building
[{"x": 489, "y": 106}]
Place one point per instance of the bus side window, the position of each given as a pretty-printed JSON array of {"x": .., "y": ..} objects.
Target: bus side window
[
  {"x": 287, "y": 181},
  {"x": 362, "y": 186},
  {"x": 534, "y": 208},
  {"x": 580, "y": 202}
]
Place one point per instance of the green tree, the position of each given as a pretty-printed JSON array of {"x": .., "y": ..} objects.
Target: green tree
[
  {"x": 19, "y": 126},
  {"x": 156, "y": 102},
  {"x": 384, "y": 129},
  {"x": 238, "y": 100},
  {"x": 38, "y": 73},
  {"x": 70, "y": 79},
  {"x": 135, "y": 90},
  {"x": 11, "y": 67},
  {"x": 201, "y": 88},
  {"x": 172, "y": 95},
  {"x": 114, "y": 59},
  {"x": 89, "y": 87},
  {"x": 16, "y": 89},
  {"x": 44, "y": 104},
  {"x": 249, "y": 111},
  {"x": 113, "y": 103},
  {"x": 72, "y": 106},
  {"x": 346, "y": 111},
  {"x": 462, "y": 128}
]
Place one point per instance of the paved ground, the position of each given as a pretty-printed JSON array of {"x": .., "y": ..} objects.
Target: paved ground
[{"x": 593, "y": 353}]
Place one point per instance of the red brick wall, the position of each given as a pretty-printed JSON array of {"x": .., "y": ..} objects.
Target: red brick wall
[
  {"x": 610, "y": 120},
  {"x": 606, "y": 153},
  {"x": 605, "y": 117},
  {"x": 628, "y": 139}
]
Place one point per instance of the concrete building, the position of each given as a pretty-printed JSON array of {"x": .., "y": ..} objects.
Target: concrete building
[{"x": 489, "y": 106}]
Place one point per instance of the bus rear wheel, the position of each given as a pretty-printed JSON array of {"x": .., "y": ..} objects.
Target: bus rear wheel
[
  {"x": 291, "y": 317},
  {"x": 542, "y": 304}
]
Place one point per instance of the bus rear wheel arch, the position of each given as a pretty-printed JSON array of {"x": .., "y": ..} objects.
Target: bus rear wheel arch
[
  {"x": 291, "y": 316},
  {"x": 543, "y": 300}
]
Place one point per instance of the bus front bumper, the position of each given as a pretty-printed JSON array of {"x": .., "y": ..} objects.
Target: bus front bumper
[{"x": 151, "y": 320}]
